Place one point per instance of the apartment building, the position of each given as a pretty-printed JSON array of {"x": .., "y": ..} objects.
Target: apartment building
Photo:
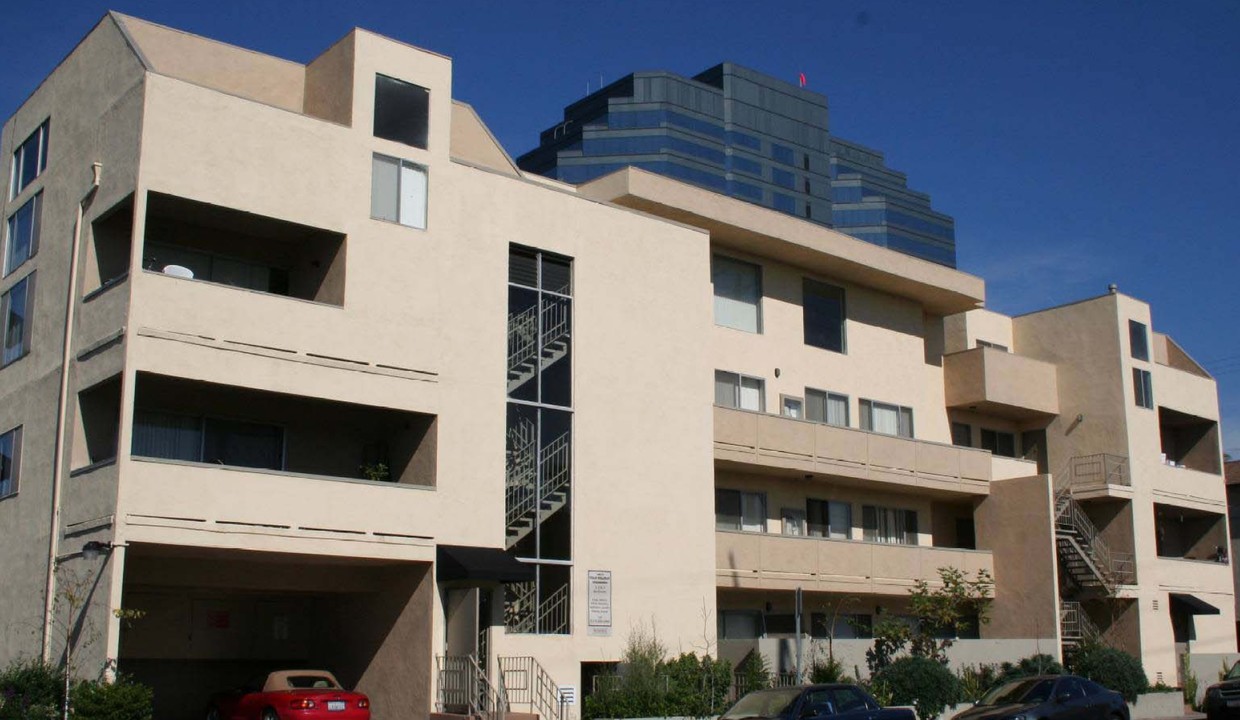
[{"x": 302, "y": 370}]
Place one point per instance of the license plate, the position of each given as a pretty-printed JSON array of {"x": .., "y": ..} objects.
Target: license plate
[{"x": 335, "y": 705}]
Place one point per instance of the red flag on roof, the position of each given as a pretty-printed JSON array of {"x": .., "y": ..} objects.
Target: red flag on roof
[{"x": 802, "y": 79}]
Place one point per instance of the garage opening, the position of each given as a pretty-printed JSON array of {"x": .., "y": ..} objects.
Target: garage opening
[{"x": 212, "y": 620}]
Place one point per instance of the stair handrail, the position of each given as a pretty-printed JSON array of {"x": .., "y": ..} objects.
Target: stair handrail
[
  {"x": 553, "y": 613},
  {"x": 538, "y": 691},
  {"x": 520, "y": 615},
  {"x": 555, "y": 321},
  {"x": 522, "y": 336},
  {"x": 462, "y": 683},
  {"x": 492, "y": 705},
  {"x": 1114, "y": 568},
  {"x": 1074, "y": 623}
]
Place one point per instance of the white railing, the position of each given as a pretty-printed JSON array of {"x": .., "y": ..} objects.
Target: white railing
[
  {"x": 463, "y": 688},
  {"x": 522, "y": 337},
  {"x": 520, "y": 495},
  {"x": 524, "y": 613},
  {"x": 555, "y": 322},
  {"x": 1070, "y": 517},
  {"x": 526, "y": 683},
  {"x": 1076, "y": 625}
]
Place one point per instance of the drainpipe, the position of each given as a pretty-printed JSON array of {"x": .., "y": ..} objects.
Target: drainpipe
[{"x": 62, "y": 411}]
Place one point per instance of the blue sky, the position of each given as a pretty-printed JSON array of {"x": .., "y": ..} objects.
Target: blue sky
[{"x": 1077, "y": 144}]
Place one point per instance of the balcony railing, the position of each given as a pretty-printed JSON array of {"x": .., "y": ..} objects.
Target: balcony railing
[{"x": 1100, "y": 469}]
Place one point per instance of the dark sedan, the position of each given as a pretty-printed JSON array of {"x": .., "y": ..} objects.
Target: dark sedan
[
  {"x": 1223, "y": 700},
  {"x": 1048, "y": 697},
  {"x": 838, "y": 701}
]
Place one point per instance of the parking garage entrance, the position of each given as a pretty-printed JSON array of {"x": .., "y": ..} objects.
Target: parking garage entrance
[{"x": 210, "y": 620}]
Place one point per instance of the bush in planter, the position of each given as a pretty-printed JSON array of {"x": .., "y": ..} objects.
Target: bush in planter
[
  {"x": 31, "y": 690},
  {"x": 1041, "y": 664},
  {"x": 921, "y": 682},
  {"x": 119, "y": 700},
  {"x": 1113, "y": 669}
]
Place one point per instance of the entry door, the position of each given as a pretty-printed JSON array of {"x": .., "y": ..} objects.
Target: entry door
[{"x": 461, "y": 622}]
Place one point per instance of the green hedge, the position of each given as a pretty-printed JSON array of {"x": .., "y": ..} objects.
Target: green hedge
[
  {"x": 921, "y": 682},
  {"x": 1113, "y": 669},
  {"x": 32, "y": 690}
]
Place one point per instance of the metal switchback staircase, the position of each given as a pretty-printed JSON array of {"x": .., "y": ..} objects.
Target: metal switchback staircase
[
  {"x": 1076, "y": 629},
  {"x": 524, "y": 614},
  {"x": 528, "y": 503},
  {"x": 526, "y": 355}
]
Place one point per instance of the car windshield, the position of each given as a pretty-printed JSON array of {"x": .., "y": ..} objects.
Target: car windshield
[
  {"x": 1233, "y": 673},
  {"x": 1019, "y": 691},
  {"x": 763, "y": 703},
  {"x": 310, "y": 682}
]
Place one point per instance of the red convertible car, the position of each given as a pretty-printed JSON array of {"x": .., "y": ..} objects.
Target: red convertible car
[{"x": 291, "y": 695}]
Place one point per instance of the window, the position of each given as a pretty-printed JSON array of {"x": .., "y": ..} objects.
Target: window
[
  {"x": 889, "y": 525},
  {"x": 15, "y": 311},
  {"x": 740, "y": 624},
  {"x": 847, "y": 626},
  {"x": 1143, "y": 388},
  {"x": 736, "y": 510},
  {"x": 1138, "y": 342},
  {"x": 823, "y": 307},
  {"x": 988, "y": 344},
  {"x": 21, "y": 237},
  {"x": 398, "y": 191},
  {"x": 829, "y": 519},
  {"x": 739, "y": 391},
  {"x": 999, "y": 442},
  {"x": 211, "y": 440},
  {"x": 738, "y": 294},
  {"x": 793, "y": 521},
  {"x": 887, "y": 419},
  {"x": 962, "y": 434},
  {"x": 10, "y": 460},
  {"x": 217, "y": 268},
  {"x": 792, "y": 407},
  {"x": 826, "y": 407},
  {"x": 402, "y": 111},
  {"x": 29, "y": 160}
]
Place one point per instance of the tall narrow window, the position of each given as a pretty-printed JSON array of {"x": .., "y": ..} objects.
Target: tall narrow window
[
  {"x": 999, "y": 442},
  {"x": 15, "y": 316},
  {"x": 10, "y": 460},
  {"x": 738, "y": 294},
  {"x": 402, "y": 111},
  {"x": 539, "y": 447},
  {"x": 887, "y": 419},
  {"x": 823, "y": 315},
  {"x": 739, "y": 391},
  {"x": 21, "y": 236},
  {"x": 29, "y": 160},
  {"x": 826, "y": 407},
  {"x": 1138, "y": 340},
  {"x": 1143, "y": 388},
  {"x": 398, "y": 190},
  {"x": 889, "y": 525}
]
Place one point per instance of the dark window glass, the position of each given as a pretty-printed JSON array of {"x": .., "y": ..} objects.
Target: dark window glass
[
  {"x": 29, "y": 160},
  {"x": 401, "y": 111},
  {"x": 244, "y": 444},
  {"x": 962, "y": 434},
  {"x": 823, "y": 315},
  {"x": 1143, "y": 388},
  {"x": 1138, "y": 340},
  {"x": 727, "y": 510},
  {"x": 523, "y": 267},
  {"x": 10, "y": 451},
  {"x": 999, "y": 443},
  {"x": 15, "y": 311},
  {"x": 22, "y": 234},
  {"x": 781, "y": 624}
]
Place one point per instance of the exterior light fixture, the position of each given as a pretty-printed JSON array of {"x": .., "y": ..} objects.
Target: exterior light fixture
[{"x": 93, "y": 549}]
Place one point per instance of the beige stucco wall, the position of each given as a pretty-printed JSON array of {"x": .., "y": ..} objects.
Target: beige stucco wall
[{"x": 962, "y": 330}]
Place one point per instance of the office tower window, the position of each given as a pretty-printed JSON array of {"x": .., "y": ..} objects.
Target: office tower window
[
  {"x": 738, "y": 294},
  {"x": 889, "y": 525},
  {"x": 15, "y": 307},
  {"x": 1143, "y": 388},
  {"x": 829, "y": 519},
  {"x": 1138, "y": 341},
  {"x": 739, "y": 391},
  {"x": 962, "y": 434},
  {"x": 402, "y": 111},
  {"x": 21, "y": 237},
  {"x": 887, "y": 419},
  {"x": 826, "y": 407},
  {"x": 398, "y": 191},
  {"x": 29, "y": 160},
  {"x": 999, "y": 442},
  {"x": 792, "y": 407},
  {"x": 736, "y": 510},
  {"x": 10, "y": 460},
  {"x": 823, "y": 315}
]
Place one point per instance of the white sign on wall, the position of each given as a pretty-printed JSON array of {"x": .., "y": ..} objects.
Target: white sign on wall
[{"x": 598, "y": 603}]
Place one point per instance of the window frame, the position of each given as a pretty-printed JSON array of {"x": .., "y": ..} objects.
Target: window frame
[
  {"x": 910, "y": 538},
  {"x": 15, "y": 436},
  {"x": 825, "y": 529},
  {"x": 995, "y": 447},
  {"x": 36, "y": 203},
  {"x": 401, "y": 163},
  {"x": 715, "y": 297},
  {"x": 968, "y": 430},
  {"x": 28, "y": 288},
  {"x": 203, "y": 420},
  {"x": 901, "y": 411},
  {"x": 19, "y": 158},
  {"x": 784, "y": 401},
  {"x": 1135, "y": 330},
  {"x": 738, "y": 386},
  {"x": 807, "y": 284},
  {"x": 827, "y": 397},
  {"x": 740, "y": 498},
  {"x": 426, "y": 139},
  {"x": 1143, "y": 388}
]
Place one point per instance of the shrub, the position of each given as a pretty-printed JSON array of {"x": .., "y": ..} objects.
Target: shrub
[
  {"x": 975, "y": 680},
  {"x": 1112, "y": 668},
  {"x": 1041, "y": 664},
  {"x": 31, "y": 690},
  {"x": 649, "y": 685},
  {"x": 119, "y": 700},
  {"x": 697, "y": 687},
  {"x": 921, "y": 682},
  {"x": 753, "y": 673},
  {"x": 1190, "y": 682},
  {"x": 826, "y": 670}
]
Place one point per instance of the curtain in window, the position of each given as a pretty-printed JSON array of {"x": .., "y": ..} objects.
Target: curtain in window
[
  {"x": 837, "y": 410},
  {"x": 885, "y": 419},
  {"x": 889, "y": 525},
  {"x": 840, "y": 520},
  {"x": 738, "y": 293},
  {"x": 412, "y": 195},
  {"x": 794, "y": 522},
  {"x": 725, "y": 388},
  {"x": 753, "y": 512},
  {"x": 383, "y": 183},
  {"x": 167, "y": 436},
  {"x": 906, "y": 422},
  {"x": 727, "y": 510},
  {"x": 751, "y": 394}
]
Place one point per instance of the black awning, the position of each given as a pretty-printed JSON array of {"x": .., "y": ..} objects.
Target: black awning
[
  {"x": 1193, "y": 604},
  {"x": 465, "y": 562}
]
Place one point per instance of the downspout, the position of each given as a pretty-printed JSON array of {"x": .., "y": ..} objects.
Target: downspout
[{"x": 62, "y": 411}]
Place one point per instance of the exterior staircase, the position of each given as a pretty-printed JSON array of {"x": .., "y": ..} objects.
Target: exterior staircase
[
  {"x": 526, "y": 355},
  {"x": 1076, "y": 629},
  {"x": 1084, "y": 557},
  {"x": 526, "y": 684},
  {"x": 464, "y": 690},
  {"x": 528, "y": 503},
  {"x": 524, "y": 614}
]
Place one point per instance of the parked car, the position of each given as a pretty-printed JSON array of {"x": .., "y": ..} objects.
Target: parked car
[
  {"x": 290, "y": 695},
  {"x": 1048, "y": 697},
  {"x": 842, "y": 702},
  {"x": 1223, "y": 698}
]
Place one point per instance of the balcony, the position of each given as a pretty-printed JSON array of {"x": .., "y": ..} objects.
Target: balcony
[
  {"x": 773, "y": 443},
  {"x": 777, "y": 562},
  {"x": 1003, "y": 384}
]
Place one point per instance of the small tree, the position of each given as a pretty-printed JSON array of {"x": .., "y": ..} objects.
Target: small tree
[
  {"x": 921, "y": 682},
  {"x": 890, "y": 638},
  {"x": 945, "y": 612}
]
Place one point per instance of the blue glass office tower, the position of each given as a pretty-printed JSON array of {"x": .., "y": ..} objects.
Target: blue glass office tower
[{"x": 751, "y": 136}]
